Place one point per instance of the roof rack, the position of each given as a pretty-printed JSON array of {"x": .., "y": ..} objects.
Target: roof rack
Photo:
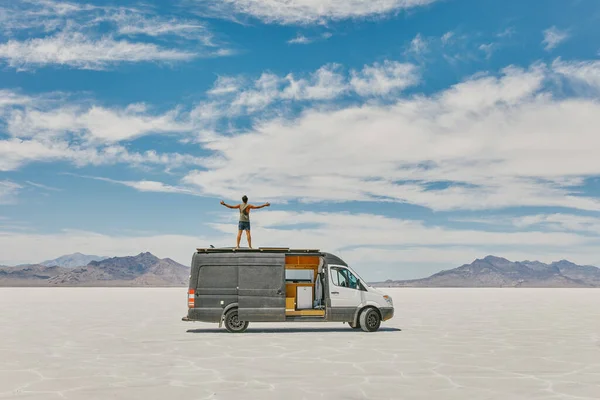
[{"x": 258, "y": 250}]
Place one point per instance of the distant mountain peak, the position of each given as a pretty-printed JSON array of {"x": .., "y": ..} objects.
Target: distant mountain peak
[
  {"x": 563, "y": 263},
  {"x": 72, "y": 260},
  {"x": 491, "y": 259}
]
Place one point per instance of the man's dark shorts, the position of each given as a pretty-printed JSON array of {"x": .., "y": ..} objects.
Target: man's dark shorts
[{"x": 244, "y": 226}]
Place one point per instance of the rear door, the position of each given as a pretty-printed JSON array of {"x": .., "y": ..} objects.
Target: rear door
[{"x": 261, "y": 288}]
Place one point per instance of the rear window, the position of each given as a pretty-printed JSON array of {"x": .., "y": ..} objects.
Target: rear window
[{"x": 299, "y": 275}]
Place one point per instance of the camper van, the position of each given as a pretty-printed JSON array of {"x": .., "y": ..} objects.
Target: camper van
[{"x": 237, "y": 286}]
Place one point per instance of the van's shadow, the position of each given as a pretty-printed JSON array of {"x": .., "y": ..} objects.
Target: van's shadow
[{"x": 292, "y": 330}]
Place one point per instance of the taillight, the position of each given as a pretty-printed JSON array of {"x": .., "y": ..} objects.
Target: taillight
[{"x": 191, "y": 295}]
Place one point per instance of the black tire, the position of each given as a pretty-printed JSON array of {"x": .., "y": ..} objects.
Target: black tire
[
  {"x": 369, "y": 320},
  {"x": 353, "y": 325},
  {"x": 233, "y": 324}
]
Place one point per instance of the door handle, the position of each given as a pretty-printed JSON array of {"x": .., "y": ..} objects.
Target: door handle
[{"x": 335, "y": 292}]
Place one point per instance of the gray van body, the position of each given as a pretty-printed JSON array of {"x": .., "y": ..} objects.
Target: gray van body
[{"x": 254, "y": 283}]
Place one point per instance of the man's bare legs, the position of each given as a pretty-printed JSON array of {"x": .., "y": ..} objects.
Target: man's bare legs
[
  {"x": 239, "y": 237},
  {"x": 249, "y": 239}
]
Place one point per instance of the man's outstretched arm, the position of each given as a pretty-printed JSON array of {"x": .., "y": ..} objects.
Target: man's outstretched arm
[
  {"x": 264, "y": 205},
  {"x": 228, "y": 206}
]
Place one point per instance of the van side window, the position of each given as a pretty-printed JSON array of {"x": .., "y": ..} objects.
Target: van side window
[{"x": 344, "y": 278}]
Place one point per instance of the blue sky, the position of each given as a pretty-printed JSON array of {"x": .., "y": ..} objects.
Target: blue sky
[{"x": 407, "y": 136}]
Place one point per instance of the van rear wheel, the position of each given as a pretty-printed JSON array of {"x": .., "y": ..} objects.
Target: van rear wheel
[
  {"x": 232, "y": 322},
  {"x": 369, "y": 320}
]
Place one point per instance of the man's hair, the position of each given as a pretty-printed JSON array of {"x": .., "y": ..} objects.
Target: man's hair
[{"x": 245, "y": 199}]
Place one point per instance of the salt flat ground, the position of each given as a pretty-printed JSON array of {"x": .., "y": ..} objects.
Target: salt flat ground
[{"x": 119, "y": 343}]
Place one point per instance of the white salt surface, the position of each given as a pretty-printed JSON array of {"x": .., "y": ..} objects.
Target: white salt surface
[{"x": 81, "y": 343}]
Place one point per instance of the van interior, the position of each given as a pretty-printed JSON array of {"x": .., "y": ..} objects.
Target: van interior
[{"x": 304, "y": 286}]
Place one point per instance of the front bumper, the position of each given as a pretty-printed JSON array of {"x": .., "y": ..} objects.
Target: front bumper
[{"x": 386, "y": 313}]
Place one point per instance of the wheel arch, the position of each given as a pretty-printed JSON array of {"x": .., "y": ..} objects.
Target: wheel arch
[
  {"x": 359, "y": 310},
  {"x": 229, "y": 306}
]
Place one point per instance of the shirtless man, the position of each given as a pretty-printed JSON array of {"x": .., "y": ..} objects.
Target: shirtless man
[{"x": 244, "y": 222}]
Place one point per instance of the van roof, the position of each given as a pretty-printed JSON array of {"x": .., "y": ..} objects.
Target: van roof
[
  {"x": 258, "y": 250},
  {"x": 330, "y": 258}
]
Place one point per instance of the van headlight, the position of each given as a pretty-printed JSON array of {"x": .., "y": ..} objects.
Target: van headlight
[{"x": 389, "y": 300}]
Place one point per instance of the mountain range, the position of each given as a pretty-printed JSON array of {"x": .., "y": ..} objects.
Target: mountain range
[
  {"x": 145, "y": 269},
  {"x": 494, "y": 271}
]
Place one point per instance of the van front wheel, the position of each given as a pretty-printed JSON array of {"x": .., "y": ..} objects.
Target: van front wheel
[
  {"x": 233, "y": 324},
  {"x": 370, "y": 320}
]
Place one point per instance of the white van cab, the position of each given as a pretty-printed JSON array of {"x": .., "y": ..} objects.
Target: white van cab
[{"x": 239, "y": 286}]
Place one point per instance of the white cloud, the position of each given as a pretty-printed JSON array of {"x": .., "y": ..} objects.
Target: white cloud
[
  {"x": 418, "y": 45},
  {"x": 41, "y": 186},
  {"x": 145, "y": 185},
  {"x": 508, "y": 32},
  {"x": 9, "y": 98},
  {"x": 553, "y": 37},
  {"x": 14, "y": 153},
  {"x": 312, "y": 11},
  {"x": 134, "y": 23},
  {"x": 476, "y": 145},
  {"x": 561, "y": 222},
  {"x": 447, "y": 37},
  {"x": 300, "y": 39},
  {"x": 8, "y": 191},
  {"x": 47, "y": 119},
  {"x": 77, "y": 50},
  {"x": 383, "y": 79},
  {"x": 586, "y": 73},
  {"x": 325, "y": 84},
  {"x": 226, "y": 85},
  {"x": 240, "y": 96},
  {"x": 488, "y": 49}
]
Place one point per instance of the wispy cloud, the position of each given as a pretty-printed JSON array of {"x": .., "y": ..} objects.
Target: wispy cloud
[
  {"x": 77, "y": 50},
  {"x": 553, "y": 37},
  {"x": 303, "y": 12},
  {"x": 488, "y": 49},
  {"x": 301, "y": 39},
  {"x": 560, "y": 222},
  {"x": 418, "y": 45},
  {"x": 9, "y": 191},
  {"x": 97, "y": 37},
  {"x": 145, "y": 185},
  {"x": 447, "y": 37},
  {"x": 14, "y": 153},
  {"x": 226, "y": 85},
  {"x": 508, "y": 32},
  {"x": 41, "y": 186}
]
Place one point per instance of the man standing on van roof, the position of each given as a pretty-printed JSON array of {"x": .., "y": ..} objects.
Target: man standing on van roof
[{"x": 244, "y": 223}]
